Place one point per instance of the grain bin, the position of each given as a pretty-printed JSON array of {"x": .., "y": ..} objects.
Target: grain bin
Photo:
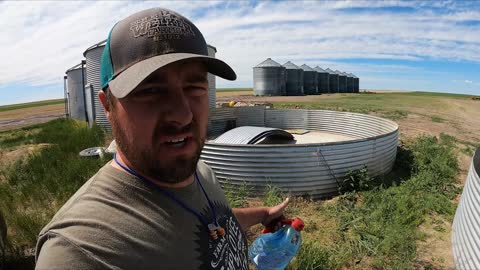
[
  {"x": 342, "y": 82},
  {"x": 332, "y": 81},
  {"x": 322, "y": 80},
  {"x": 269, "y": 79},
  {"x": 294, "y": 79},
  {"x": 76, "y": 92},
  {"x": 350, "y": 82},
  {"x": 356, "y": 84},
  {"x": 212, "y": 87},
  {"x": 93, "y": 56},
  {"x": 310, "y": 80}
]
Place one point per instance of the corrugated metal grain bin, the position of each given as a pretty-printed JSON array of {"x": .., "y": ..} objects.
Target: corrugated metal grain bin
[
  {"x": 332, "y": 81},
  {"x": 310, "y": 80},
  {"x": 294, "y": 79},
  {"x": 305, "y": 169},
  {"x": 356, "y": 84},
  {"x": 342, "y": 82},
  {"x": 93, "y": 56},
  {"x": 211, "y": 80},
  {"x": 269, "y": 79},
  {"x": 350, "y": 82},
  {"x": 322, "y": 80},
  {"x": 76, "y": 92},
  {"x": 466, "y": 224}
]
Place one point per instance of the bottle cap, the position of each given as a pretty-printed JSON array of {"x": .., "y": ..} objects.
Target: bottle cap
[{"x": 298, "y": 224}]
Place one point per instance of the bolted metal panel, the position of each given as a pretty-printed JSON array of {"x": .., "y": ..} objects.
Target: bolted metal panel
[
  {"x": 89, "y": 106},
  {"x": 294, "y": 79},
  {"x": 220, "y": 120},
  {"x": 466, "y": 224},
  {"x": 93, "y": 56},
  {"x": 332, "y": 81},
  {"x": 307, "y": 169},
  {"x": 310, "y": 80},
  {"x": 322, "y": 80},
  {"x": 212, "y": 86},
  {"x": 350, "y": 82},
  {"x": 342, "y": 82},
  {"x": 269, "y": 79},
  {"x": 76, "y": 92},
  {"x": 250, "y": 116}
]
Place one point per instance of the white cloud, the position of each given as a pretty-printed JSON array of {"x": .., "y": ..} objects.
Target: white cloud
[
  {"x": 468, "y": 81},
  {"x": 43, "y": 39}
]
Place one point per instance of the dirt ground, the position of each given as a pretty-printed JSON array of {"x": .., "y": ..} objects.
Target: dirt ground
[{"x": 30, "y": 116}]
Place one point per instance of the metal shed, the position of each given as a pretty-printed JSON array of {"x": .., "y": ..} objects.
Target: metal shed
[
  {"x": 76, "y": 92},
  {"x": 310, "y": 80},
  {"x": 322, "y": 80},
  {"x": 294, "y": 79},
  {"x": 269, "y": 79},
  {"x": 332, "y": 81}
]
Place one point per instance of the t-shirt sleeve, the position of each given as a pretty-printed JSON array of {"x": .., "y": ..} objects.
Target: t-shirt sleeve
[{"x": 57, "y": 252}]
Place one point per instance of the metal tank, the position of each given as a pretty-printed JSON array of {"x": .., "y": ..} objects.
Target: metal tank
[
  {"x": 322, "y": 80},
  {"x": 294, "y": 79},
  {"x": 212, "y": 87},
  {"x": 350, "y": 82},
  {"x": 466, "y": 224},
  {"x": 269, "y": 79},
  {"x": 310, "y": 80},
  {"x": 342, "y": 82},
  {"x": 76, "y": 92},
  {"x": 311, "y": 169},
  {"x": 332, "y": 81},
  {"x": 356, "y": 84},
  {"x": 93, "y": 56}
]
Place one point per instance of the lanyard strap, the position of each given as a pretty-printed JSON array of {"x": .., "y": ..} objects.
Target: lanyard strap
[{"x": 171, "y": 196}]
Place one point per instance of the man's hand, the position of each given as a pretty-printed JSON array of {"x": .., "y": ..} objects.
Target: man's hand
[
  {"x": 248, "y": 217},
  {"x": 275, "y": 213}
]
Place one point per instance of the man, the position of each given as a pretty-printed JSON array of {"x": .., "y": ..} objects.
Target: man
[{"x": 154, "y": 206}]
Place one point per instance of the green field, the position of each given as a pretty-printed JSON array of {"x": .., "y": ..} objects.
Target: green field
[{"x": 30, "y": 104}]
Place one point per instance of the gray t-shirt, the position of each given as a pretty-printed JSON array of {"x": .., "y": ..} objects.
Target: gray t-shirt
[{"x": 117, "y": 221}]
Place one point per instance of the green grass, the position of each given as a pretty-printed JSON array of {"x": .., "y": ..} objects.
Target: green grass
[
  {"x": 34, "y": 188},
  {"x": 391, "y": 105},
  {"x": 30, "y": 105},
  {"x": 437, "y": 119}
]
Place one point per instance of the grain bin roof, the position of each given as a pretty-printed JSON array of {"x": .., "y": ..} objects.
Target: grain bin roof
[
  {"x": 320, "y": 70},
  {"x": 330, "y": 71},
  {"x": 251, "y": 135},
  {"x": 306, "y": 68},
  {"x": 290, "y": 65},
  {"x": 268, "y": 63}
]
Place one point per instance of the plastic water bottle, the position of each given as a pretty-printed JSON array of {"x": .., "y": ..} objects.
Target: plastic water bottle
[{"x": 274, "y": 250}]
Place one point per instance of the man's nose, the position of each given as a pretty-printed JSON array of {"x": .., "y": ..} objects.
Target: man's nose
[{"x": 178, "y": 109}]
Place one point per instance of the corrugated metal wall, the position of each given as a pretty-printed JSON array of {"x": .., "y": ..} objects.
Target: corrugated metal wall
[
  {"x": 93, "y": 56},
  {"x": 306, "y": 169},
  {"x": 212, "y": 85},
  {"x": 466, "y": 224},
  {"x": 76, "y": 95}
]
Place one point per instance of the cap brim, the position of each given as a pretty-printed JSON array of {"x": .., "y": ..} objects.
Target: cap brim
[{"x": 129, "y": 79}]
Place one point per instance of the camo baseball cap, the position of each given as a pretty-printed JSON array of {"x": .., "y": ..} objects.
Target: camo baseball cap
[{"x": 148, "y": 40}]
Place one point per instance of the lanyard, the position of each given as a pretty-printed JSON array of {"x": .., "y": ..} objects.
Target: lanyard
[{"x": 175, "y": 199}]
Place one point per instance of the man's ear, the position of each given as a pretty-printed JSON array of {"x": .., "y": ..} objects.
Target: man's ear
[{"x": 103, "y": 99}]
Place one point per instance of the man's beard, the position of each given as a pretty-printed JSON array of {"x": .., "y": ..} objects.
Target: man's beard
[{"x": 146, "y": 161}]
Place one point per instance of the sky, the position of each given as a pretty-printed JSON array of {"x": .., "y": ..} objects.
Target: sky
[{"x": 390, "y": 45}]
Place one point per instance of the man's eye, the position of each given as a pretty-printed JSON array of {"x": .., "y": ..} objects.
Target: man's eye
[
  {"x": 146, "y": 92},
  {"x": 197, "y": 91}
]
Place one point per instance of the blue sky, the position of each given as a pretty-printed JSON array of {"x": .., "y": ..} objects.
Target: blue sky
[{"x": 391, "y": 45}]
